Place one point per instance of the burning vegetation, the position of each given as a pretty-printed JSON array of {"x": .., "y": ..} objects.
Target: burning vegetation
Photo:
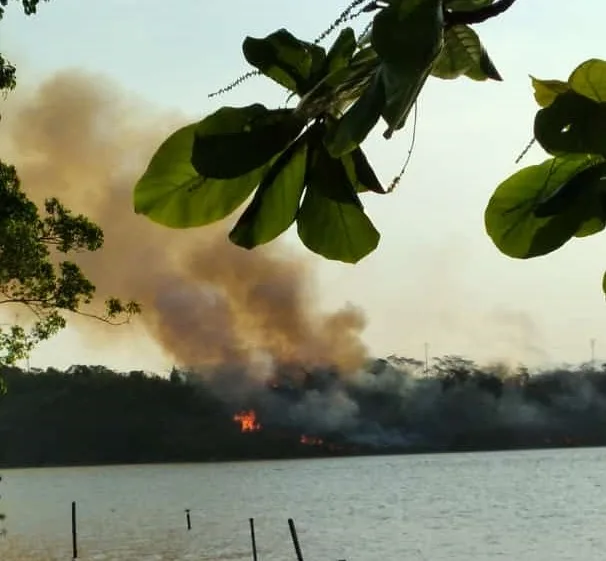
[
  {"x": 389, "y": 406},
  {"x": 247, "y": 421},
  {"x": 311, "y": 440},
  {"x": 199, "y": 311}
]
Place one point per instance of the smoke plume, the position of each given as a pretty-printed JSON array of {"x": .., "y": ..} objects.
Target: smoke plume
[
  {"x": 456, "y": 405},
  {"x": 205, "y": 301}
]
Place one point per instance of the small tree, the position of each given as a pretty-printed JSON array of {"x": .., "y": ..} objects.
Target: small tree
[
  {"x": 32, "y": 243},
  {"x": 31, "y": 274}
]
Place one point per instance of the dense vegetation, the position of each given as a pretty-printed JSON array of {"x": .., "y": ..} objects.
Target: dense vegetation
[{"x": 92, "y": 415}]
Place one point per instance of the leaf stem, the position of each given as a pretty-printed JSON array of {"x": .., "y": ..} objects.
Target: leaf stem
[{"x": 397, "y": 179}]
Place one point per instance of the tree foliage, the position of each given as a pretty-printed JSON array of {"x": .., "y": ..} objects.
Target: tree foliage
[
  {"x": 305, "y": 165},
  {"x": 32, "y": 273},
  {"x": 29, "y": 6},
  {"x": 8, "y": 73},
  {"x": 33, "y": 242},
  {"x": 134, "y": 417},
  {"x": 541, "y": 207}
]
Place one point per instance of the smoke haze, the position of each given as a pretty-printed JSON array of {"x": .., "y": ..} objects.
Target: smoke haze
[
  {"x": 245, "y": 318},
  {"x": 205, "y": 300}
]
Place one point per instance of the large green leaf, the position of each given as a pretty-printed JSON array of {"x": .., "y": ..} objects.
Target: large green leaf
[
  {"x": 360, "y": 172},
  {"x": 407, "y": 36},
  {"x": 330, "y": 177},
  {"x": 572, "y": 124},
  {"x": 234, "y": 141},
  {"x": 319, "y": 65},
  {"x": 331, "y": 221},
  {"x": 511, "y": 215},
  {"x": 485, "y": 69},
  {"x": 353, "y": 127},
  {"x": 173, "y": 194},
  {"x": 276, "y": 201},
  {"x": 585, "y": 191},
  {"x": 463, "y": 54},
  {"x": 546, "y": 91},
  {"x": 339, "y": 55},
  {"x": 365, "y": 56},
  {"x": 401, "y": 100},
  {"x": 589, "y": 80},
  {"x": 285, "y": 59}
]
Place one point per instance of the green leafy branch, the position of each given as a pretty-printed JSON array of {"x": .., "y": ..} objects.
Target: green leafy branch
[
  {"x": 8, "y": 72},
  {"x": 29, "y": 6},
  {"x": 305, "y": 165},
  {"x": 540, "y": 208},
  {"x": 31, "y": 275}
]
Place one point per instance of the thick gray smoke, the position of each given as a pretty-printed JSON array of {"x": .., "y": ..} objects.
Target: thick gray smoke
[
  {"x": 205, "y": 300},
  {"x": 393, "y": 404},
  {"x": 248, "y": 320}
]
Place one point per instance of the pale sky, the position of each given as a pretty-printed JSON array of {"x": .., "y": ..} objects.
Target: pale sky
[{"x": 436, "y": 277}]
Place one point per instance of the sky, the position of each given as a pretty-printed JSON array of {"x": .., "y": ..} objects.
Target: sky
[{"x": 436, "y": 277}]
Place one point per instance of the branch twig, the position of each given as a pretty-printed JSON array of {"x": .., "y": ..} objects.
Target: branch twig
[
  {"x": 398, "y": 178},
  {"x": 340, "y": 20}
]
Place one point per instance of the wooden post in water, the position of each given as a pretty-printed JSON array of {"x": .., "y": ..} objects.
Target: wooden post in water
[
  {"x": 252, "y": 537},
  {"x": 295, "y": 539},
  {"x": 74, "y": 532},
  {"x": 188, "y": 517}
]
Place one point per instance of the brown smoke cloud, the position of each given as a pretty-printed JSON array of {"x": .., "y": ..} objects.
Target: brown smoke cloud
[{"x": 205, "y": 300}]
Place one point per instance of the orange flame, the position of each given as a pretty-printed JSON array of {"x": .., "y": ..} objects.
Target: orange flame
[
  {"x": 311, "y": 440},
  {"x": 248, "y": 421}
]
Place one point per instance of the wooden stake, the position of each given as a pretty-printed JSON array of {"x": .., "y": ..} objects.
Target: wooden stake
[
  {"x": 188, "y": 517},
  {"x": 74, "y": 532},
  {"x": 295, "y": 539},
  {"x": 252, "y": 537}
]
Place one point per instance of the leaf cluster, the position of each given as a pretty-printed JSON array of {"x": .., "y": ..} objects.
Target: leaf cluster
[
  {"x": 540, "y": 208},
  {"x": 305, "y": 165},
  {"x": 29, "y": 6}
]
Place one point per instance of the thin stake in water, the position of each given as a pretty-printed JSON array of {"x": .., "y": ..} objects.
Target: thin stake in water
[
  {"x": 295, "y": 539},
  {"x": 188, "y": 518},
  {"x": 74, "y": 532},
  {"x": 252, "y": 537}
]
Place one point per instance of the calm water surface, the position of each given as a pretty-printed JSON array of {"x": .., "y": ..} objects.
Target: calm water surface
[{"x": 522, "y": 506}]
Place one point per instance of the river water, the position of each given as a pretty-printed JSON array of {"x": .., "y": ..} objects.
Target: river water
[{"x": 522, "y": 506}]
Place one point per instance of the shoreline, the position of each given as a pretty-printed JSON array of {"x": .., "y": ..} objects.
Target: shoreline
[{"x": 294, "y": 458}]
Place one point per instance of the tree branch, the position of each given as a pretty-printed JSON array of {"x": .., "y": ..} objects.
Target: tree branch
[
  {"x": 50, "y": 240},
  {"x": 477, "y": 16},
  {"x": 30, "y": 303},
  {"x": 25, "y": 301},
  {"x": 104, "y": 319}
]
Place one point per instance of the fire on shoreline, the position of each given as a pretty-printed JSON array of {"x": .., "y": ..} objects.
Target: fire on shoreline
[
  {"x": 248, "y": 421},
  {"x": 311, "y": 440}
]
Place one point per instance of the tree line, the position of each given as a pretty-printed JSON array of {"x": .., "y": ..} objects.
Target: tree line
[{"x": 93, "y": 415}]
